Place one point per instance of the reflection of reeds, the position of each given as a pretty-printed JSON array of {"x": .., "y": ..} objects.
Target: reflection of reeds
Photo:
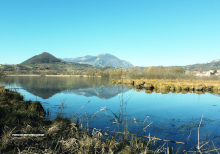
[
  {"x": 165, "y": 86},
  {"x": 102, "y": 109},
  {"x": 80, "y": 109},
  {"x": 198, "y": 135}
]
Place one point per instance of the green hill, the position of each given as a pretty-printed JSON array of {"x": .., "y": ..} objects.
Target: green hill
[{"x": 42, "y": 58}]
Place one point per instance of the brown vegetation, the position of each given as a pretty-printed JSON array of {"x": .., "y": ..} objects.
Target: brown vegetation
[{"x": 173, "y": 85}]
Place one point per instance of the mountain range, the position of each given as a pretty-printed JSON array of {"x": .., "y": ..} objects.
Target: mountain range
[
  {"x": 106, "y": 59},
  {"x": 103, "y": 59}
]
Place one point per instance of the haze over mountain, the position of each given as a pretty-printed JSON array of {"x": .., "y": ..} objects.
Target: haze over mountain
[
  {"x": 103, "y": 59},
  {"x": 42, "y": 58}
]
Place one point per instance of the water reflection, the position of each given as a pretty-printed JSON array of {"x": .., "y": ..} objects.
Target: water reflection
[
  {"x": 98, "y": 91},
  {"x": 46, "y": 87}
]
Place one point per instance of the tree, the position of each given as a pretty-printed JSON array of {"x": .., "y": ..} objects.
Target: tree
[
  {"x": 160, "y": 69},
  {"x": 91, "y": 72},
  {"x": 134, "y": 73},
  {"x": 116, "y": 74},
  {"x": 150, "y": 69},
  {"x": 179, "y": 70},
  {"x": 124, "y": 73},
  {"x": 99, "y": 73},
  {"x": 107, "y": 73}
]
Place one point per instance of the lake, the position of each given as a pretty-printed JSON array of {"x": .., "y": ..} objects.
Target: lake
[{"x": 96, "y": 103}]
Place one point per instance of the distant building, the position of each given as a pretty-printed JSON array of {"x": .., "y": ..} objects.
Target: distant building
[
  {"x": 217, "y": 73},
  {"x": 205, "y": 73}
]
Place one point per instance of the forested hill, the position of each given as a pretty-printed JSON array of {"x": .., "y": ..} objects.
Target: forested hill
[{"x": 42, "y": 58}]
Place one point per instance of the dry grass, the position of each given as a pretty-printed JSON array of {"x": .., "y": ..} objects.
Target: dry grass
[
  {"x": 52, "y": 75},
  {"x": 6, "y": 136},
  {"x": 173, "y": 84}
]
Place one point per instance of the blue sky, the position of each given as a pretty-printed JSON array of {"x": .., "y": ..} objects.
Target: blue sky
[{"x": 143, "y": 32}]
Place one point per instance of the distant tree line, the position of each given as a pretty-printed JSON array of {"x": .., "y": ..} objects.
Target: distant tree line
[
  {"x": 158, "y": 73},
  {"x": 105, "y": 72},
  {"x": 149, "y": 73}
]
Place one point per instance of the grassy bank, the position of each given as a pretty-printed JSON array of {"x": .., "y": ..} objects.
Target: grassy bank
[
  {"x": 54, "y": 75},
  {"x": 173, "y": 85}
]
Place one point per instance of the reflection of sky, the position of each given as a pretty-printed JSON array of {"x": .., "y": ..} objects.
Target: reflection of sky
[
  {"x": 174, "y": 116},
  {"x": 176, "y": 105}
]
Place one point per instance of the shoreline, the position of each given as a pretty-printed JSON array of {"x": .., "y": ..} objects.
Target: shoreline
[
  {"x": 54, "y": 75},
  {"x": 183, "y": 85}
]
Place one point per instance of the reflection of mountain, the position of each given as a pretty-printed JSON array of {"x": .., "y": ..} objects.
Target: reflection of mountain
[
  {"x": 43, "y": 92},
  {"x": 46, "y": 87},
  {"x": 100, "y": 91}
]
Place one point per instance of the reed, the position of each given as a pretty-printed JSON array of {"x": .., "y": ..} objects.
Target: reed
[{"x": 173, "y": 85}]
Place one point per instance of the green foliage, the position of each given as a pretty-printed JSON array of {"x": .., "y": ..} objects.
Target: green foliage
[{"x": 178, "y": 70}]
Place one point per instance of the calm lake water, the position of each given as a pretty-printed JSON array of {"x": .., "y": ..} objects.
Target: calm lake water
[{"x": 172, "y": 116}]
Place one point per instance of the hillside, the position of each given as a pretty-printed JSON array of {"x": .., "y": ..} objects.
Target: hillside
[
  {"x": 42, "y": 58},
  {"x": 103, "y": 59},
  {"x": 217, "y": 60},
  {"x": 214, "y": 65},
  {"x": 47, "y": 64}
]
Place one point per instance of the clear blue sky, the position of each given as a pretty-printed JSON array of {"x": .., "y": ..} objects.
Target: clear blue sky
[{"x": 143, "y": 32}]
